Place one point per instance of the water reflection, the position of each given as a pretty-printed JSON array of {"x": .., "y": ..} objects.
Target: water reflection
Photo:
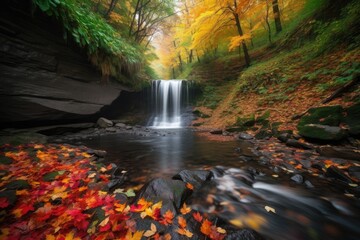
[{"x": 164, "y": 155}]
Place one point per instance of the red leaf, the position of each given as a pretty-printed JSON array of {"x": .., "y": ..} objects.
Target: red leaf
[
  {"x": 4, "y": 202},
  {"x": 105, "y": 228},
  {"x": 197, "y": 216}
]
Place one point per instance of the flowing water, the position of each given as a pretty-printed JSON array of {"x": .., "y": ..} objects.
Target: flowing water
[
  {"x": 168, "y": 101},
  {"x": 242, "y": 193}
]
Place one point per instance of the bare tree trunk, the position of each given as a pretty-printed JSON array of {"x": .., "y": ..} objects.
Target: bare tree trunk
[
  {"x": 244, "y": 47},
  {"x": 191, "y": 56},
  {"x": 111, "y": 8},
  {"x": 276, "y": 11},
  {"x": 173, "y": 72},
  {"x": 267, "y": 20}
]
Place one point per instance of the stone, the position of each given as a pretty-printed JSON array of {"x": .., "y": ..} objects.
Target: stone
[
  {"x": 334, "y": 172},
  {"x": 244, "y": 234},
  {"x": 339, "y": 152},
  {"x": 264, "y": 134},
  {"x": 328, "y": 115},
  {"x": 283, "y": 137},
  {"x": 308, "y": 184},
  {"x": 322, "y": 132},
  {"x": 247, "y": 149},
  {"x": 111, "y": 129},
  {"x": 17, "y": 185},
  {"x": 352, "y": 119},
  {"x": 171, "y": 192},
  {"x": 244, "y": 136},
  {"x": 298, "y": 144},
  {"x": 216, "y": 131},
  {"x": 297, "y": 178},
  {"x": 354, "y": 171},
  {"x": 234, "y": 129},
  {"x": 194, "y": 177},
  {"x": 120, "y": 125},
  {"x": 100, "y": 153},
  {"x": 104, "y": 123}
]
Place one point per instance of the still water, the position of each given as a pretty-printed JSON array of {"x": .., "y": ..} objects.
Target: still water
[{"x": 147, "y": 157}]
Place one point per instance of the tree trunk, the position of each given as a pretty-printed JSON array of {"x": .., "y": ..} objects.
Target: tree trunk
[
  {"x": 173, "y": 72},
  {"x": 180, "y": 63},
  {"x": 244, "y": 47},
  {"x": 111, "y": 8},
  {"x": 276, "y": 12},
  {"x": 267, "y": 20},
  {"x": 191, "y": 56}
]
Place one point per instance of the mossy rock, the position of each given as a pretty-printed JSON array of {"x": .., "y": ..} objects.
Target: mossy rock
[
  {"x": 322, "y": 132},
  {"x": 329, "y": 115},
  {"x": 352, "y": 119},
  {"x": 23, "y": 138}
]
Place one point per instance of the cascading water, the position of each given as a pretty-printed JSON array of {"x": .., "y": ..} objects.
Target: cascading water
[{"x": 168, "y": 103}]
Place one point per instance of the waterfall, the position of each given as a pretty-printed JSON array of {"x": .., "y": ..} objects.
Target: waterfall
[{"x": 168, "y": 97}]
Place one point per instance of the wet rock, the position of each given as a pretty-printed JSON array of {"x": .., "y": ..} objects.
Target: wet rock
[
  {"x": 171, "y": 192},
  {"x": 110, "y": 129},
  {"x": 264, "y": 134},
  {"x": 244, "y": 234},
  {"x": 298, "y": 144},
  {"x": 244, "y": 136},
  {"x": 120, "y": 125},
  {"x": 334, "y": 172},
  {"x": 322, "y": 132},
  {"x": 195, "y": 177},
  {"x": 115, "y": 183},
  {"x": 104, "y": 123},
  {"x": 216, "y": 131},
  {"x": 308, "y": 184},
  {"x": 339, "y": 152},
  {"x": 284, "y": 137},
  {"x": 306, "y": 163},
  {"x": 226, "y": 133},
  {"x": 245, "y": 159},
  {"x": 354, "y": 171},
  {"x": 297, "y": 178},
  {"x": 100, "y": 153},
  {"x": 129, "y": 127},
  {"x": 247, "y": 149}
]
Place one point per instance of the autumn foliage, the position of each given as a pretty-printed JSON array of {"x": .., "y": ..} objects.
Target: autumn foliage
[{"x": 57, "y": 192}]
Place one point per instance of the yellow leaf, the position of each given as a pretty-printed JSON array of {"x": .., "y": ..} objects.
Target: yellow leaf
[
  {"x": 353, "y": 185},
  {"x": 119, "y": 207},
  {"x": 269, "y": 209},
  {"x": 185, "y": 232},
  {"x": 50, "y": 237},
  {"x": 275, "y": 175},
  {"x": 150, "y": 232},
  {"x": 92, "y": 175},
  {"x": 70, "y": 236},
  {"x": 221, "y": 230},
  {"x": 104, "y": 222},
  {"x": 185, "y": 209}
]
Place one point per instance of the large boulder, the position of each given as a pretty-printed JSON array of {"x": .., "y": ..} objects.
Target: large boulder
[
  {"x": 171, "y": 192},
  {"x": 352, "y": 119},
  {"x": 339, "y": 152},
  {"x": 328, "y": 115},
  {"x": 194, "y": 177},
  {"x": 104, "y": 123},
  {"x": 322, "y": 132}
]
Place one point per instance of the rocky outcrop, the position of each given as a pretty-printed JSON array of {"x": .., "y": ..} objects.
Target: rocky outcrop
[{"x": 43, "y": 78}]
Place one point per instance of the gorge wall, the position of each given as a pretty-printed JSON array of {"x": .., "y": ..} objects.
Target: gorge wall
[{"x": 43, "y": 78}]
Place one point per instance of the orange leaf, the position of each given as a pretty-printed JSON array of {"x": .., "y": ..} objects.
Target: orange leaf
[
  {"x": 184, "y": 232},
  {"x": 190, "y": 186},
  {"x": 185, "y": 209},
  {"x": 168, "y": 217},
  {"x": 206, "y": 227},
  {"x": 197, "y": 216},
  {"x": 182, "y": 222}
]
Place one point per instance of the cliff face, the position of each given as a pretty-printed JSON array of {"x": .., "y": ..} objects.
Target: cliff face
[{"x": 43, "y": 79}]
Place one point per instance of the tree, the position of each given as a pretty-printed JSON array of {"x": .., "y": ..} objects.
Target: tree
[{"x": 276, "y": 11}]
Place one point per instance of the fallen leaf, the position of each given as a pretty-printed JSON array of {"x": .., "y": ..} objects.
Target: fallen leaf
[
  {"x": 197, "y": 216},
  {"x": 150, "y": 232},
  {"x": 182, "y": 222},
  {"x": 221, "y": 230},
  {"x": 185, "y": 209},
  {"x": 270, "y": 209},
  {"x": 206, "y": 227},
  {"x": 185, "y": 232},
  {"x": 190, "y": 186}
]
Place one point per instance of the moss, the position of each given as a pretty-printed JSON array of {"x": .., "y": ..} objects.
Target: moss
[{"x": 329, "y": 115}]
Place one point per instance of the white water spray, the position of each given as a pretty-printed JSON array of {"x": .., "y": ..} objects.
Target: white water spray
[{"x": 167, "y": 96}]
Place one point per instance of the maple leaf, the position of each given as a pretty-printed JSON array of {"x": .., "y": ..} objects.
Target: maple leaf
[
  {"x": 206, "y": 227},
  {"x": 185, "y": 209},
  {"x": 182, "y": 222},
  {"x": 4, "y": 202},
  {"x": 43, "y": 213},
  {"x": 184, "y": 232},
  {"x": 140, "y": 206},
  {"x": 23, "y": 209},
  {"x": 190, "y": 186},
  {"x": 136, "y": 236},
  {"x": 150, "y": 232},
  {"x": 168, "y": 217},
  {"x": 197, "y": 216}
]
